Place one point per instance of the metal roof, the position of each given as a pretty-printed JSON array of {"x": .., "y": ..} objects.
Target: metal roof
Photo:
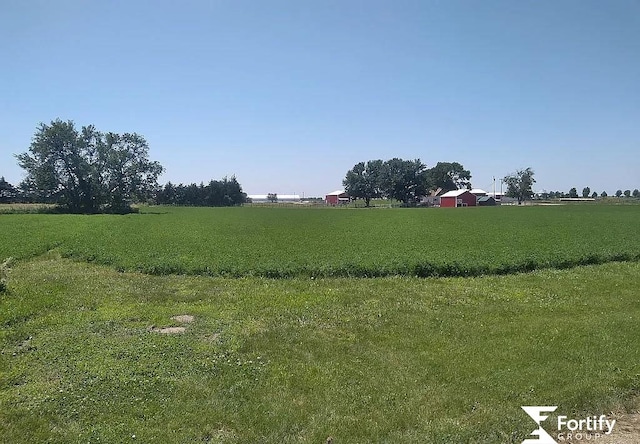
[
  {"x": 279, "y": 196},
  {"x": 336, "y": 193},
  {"x": 454, "y": 193}
]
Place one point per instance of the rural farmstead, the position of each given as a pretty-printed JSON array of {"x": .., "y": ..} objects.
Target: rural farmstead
[
  {"x": 458, "y": 198},
  {"x": 336, "y": 197}
]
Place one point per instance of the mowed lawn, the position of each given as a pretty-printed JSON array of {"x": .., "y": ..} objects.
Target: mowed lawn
[
  {"x": 397, "y": 360},
  {"x": 287, "y": 242}
]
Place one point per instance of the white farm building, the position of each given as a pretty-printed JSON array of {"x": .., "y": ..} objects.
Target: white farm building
[{"x": 263, "y": 198}]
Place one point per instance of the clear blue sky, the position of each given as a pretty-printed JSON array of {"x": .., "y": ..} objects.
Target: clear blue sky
[{"x": 289, "y": 95}]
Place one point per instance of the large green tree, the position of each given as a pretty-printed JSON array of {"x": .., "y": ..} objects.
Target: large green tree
[
  {"x": 448, "y": 176},
  {"x": 404, "y": 180},
  {"x": 364, "y": 180},
  {"x": 125, "y": 172},
  {"x": 519, "y": 184},
  {"x": 86, "y": 170}
]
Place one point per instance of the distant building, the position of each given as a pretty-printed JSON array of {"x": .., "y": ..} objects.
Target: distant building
[
  {"x": 486, "y": 201},
  {"x": 264, "y": 198},
  {"x": 432, "y": 199},
  {"x": 478, "y": 192},
  {"x": 336, "y": 198},
  {"x": 458, "y": 198}
]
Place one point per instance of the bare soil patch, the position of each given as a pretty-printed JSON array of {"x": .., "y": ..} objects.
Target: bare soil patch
[
  {"x": 626, "y": 431},
  {"x": 183, "y": 318},
  {"x": 169, "y": 330}
]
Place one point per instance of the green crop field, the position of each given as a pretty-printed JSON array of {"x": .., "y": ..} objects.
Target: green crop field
[
  {"x": 286, "y": 242},
  {"x": 91, "y": 350}
]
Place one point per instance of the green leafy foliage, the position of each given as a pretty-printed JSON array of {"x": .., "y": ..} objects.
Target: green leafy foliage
[
  {"x": 520, "y": 184},
  {"x": 364, "y": 181},
  {"x": 448, "y": 176},
  {"x": 404, "y": 180},
  {"x": 217, "y": 193},
  {"x": 8, "y": 192},
  {"x": 86, "y": 171}
]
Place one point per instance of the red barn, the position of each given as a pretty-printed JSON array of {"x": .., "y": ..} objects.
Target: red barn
[
  {"x": 337, "y": 197},
  {"x": 458, "y": 198}
]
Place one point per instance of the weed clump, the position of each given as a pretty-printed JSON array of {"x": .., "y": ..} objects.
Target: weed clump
[{"x": 4, "y": 274}]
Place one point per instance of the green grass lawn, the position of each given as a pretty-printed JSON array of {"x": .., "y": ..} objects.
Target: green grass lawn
[
  {"x": 395, "y": 360},
  {"x": 287, "y": 242}
]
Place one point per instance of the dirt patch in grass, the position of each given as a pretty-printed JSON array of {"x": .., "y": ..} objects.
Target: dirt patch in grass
[
  {"x": 214, "y": 338},
  {"x": 626, "y": 431},
  {"x": 169, "y": 330},
  {"x": 183, "y": 318}
]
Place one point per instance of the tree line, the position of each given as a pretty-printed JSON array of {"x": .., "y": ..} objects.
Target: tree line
[
  {"x": 217, "y": 193},
  {"x": 586, "y": 192},
  {"x": 88, "y": 171},
  {"x": 403, "y": 180}
]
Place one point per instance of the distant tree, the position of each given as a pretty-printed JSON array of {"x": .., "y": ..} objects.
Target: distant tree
[
  {"x": 586, "y": 191},
  {"x": 618, "y": 193},
  {"x": 636, "y": 193},
  {"x": 223, "y": 193},
  {"x": 364, "y": 181},
  {"x": 627, "y": 193},
  {"x": 233, "y": 194},
  {"x": 594, "y": 195},
  {"x": 88, "y": 171},
  {"x": 272, "y": 197},
  {"x": 404, "y": 180},
  {"x": 603, "y": 194},
  {"x": 573, "y": 193},
  {"x": 167, "y": 195},
  {"x": 448, "y": 176},
  {"x": 8, "y": 192},
  {"x": 519, "y": 184},
  {"x": 191, "y": 195}
]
